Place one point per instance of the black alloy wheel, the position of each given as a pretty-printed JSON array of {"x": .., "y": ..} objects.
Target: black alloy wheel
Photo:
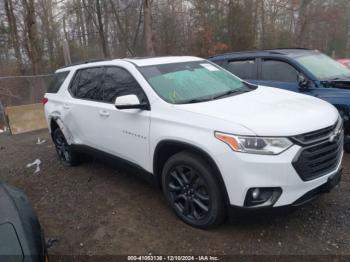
[
  {"x": 192, "y": 190},
  {"x": 64, "y": 151},
  {"x": 189, "y": 192}
]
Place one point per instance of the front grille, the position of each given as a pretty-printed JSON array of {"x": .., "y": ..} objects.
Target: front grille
[
  {"x": 315, "y": 136},
  {"x": 319, "y": 159}
]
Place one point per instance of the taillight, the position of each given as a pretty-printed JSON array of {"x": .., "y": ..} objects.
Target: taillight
[{"x": 44, "y": 100}]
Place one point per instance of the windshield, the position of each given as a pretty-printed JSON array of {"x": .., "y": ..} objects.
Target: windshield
[
  {"x": 323, "y": 67},
  {"x": 191, "y": 82}
]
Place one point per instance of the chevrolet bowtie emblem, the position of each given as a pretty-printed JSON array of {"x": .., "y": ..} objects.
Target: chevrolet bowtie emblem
[{"x": 334, "y": 135}]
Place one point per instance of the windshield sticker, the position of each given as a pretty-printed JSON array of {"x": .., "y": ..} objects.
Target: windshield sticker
[{"x": 210, "y": 67}]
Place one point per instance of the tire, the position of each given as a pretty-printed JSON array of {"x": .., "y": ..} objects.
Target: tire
[
  {"x": 66, "y": 154},
  {"x": 191, "y": 189}
]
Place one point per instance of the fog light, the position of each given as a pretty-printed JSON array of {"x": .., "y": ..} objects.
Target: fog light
[
  {"x": 262, "y": 197},
  {"x": 255, "y": 193}
]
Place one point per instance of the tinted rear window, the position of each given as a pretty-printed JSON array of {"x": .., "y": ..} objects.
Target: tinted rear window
[
  {"x": 245, "y": 69},
  {"x": 86, "y": 84},
  {"x": 57, "y": 81}
]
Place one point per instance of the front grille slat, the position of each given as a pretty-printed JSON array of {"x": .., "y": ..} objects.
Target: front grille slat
[
  {"x": 324, "y": 166},
  {"x": 319, "y": 153},
  {"x": 318, "y": 158},
  {"x": 323, "y": 160},
  {"x": 317, "y": 134},
  {"x": 314, "y": 136}
]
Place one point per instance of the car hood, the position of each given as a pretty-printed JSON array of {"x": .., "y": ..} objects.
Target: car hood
[
  {"x": 341, "y": 85},
  {"x": 269, "y": 111}
]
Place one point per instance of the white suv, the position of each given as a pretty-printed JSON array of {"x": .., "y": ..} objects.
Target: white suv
[{"x": 212, "y": 140}]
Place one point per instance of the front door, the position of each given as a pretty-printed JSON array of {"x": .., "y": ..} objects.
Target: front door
[
  {"x": 280, "y": 74},
  {"x": 124, "y": 133}
]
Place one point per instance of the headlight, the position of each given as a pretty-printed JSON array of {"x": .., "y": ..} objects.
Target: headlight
[{"x": 254, "y": 144}]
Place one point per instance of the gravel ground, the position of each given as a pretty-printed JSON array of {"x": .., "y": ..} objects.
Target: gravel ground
[{"x": 97, "y": 209}]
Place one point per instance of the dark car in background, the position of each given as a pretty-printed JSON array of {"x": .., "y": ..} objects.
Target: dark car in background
[
  {"x": 300, "y": 70},
  {"x": 21, "y": 237}
]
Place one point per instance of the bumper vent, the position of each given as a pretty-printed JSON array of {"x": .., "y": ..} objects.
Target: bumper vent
[{"x": 320, "y": 158}]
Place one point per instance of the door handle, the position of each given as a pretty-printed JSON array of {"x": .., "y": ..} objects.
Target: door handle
[
  {"x": 104, "y": 113},
  {"x": 66, "y": 106}
]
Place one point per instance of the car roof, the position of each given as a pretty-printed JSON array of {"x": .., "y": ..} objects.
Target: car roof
[
  {"x": 289, "y": 52},
  {"x": 137, "y": 61}
]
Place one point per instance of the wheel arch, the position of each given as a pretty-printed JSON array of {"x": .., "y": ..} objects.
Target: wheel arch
[
  {"x": 167, "y": 148},
  {"x": 56, "y": 122}
]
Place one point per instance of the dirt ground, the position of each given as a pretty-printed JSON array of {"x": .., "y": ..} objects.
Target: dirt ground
[{"x": 97, "y": 209}]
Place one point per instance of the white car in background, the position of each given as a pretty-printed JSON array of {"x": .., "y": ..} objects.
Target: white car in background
[{"x": 212, "y": 140}]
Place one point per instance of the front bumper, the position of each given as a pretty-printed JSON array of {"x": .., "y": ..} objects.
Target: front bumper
[
  {"x": 325, "y": 188},
  {"x": 241, "y": 172}
]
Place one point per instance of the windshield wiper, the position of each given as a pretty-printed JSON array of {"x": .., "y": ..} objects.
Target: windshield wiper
[
  {"x": 228, "y": 93},
  {"x": 333, "y": 79},
  {"x": 196, "y": 100}
]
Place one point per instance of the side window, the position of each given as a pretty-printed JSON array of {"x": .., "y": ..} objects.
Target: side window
[
  {"x": 86, "y": 84},
  {"x": 245, "y": 69},
  {"x": 117, "y": 82},
  {"x": 274, "y": 70},
  {"x": 74, "y": 83},
  {"x": 57, "y": 81}
]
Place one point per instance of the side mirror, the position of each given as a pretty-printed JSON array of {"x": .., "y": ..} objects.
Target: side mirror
[
  {"x": 130, "y": 102},
  {"x": 303, "y": 81}
]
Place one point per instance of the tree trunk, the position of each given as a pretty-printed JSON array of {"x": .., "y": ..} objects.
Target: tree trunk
[
  {"x": 80, "y": 23},
  {"x": 101, "y": 31},
  {"x": 34, "y": 50},
  {"x": 48, "y": 27},
  {"x": 302, "y": 23},
  {"x": 14, "y": 35},
  {"x": 147, "y": 23},
  {"x": 263, "y": 31},
  {"x": 122, "y": 35},
  {"x": 89, "y": 26}
]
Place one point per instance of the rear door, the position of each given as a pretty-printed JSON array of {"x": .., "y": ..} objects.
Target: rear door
[
  {"x": 83, "y": 111},
  {"x": 246, "y": 69}
]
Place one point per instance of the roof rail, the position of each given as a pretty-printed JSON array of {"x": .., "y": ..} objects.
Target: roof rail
[
  {"x": 237, "y": 52},
  {"x": 83, "y": 62},
  {"x": 274, "y": 50},
  {"x": 288, "y": 48}
]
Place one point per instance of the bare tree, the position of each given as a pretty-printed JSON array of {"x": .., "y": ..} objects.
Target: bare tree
[
  {"x": 147, "y": 17},
  {"x": 31, "y": 31},
  {"x": 14, "y": 37},
  {"x": 101, "y": 30},
  {"x": 32, "y": 39}
]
